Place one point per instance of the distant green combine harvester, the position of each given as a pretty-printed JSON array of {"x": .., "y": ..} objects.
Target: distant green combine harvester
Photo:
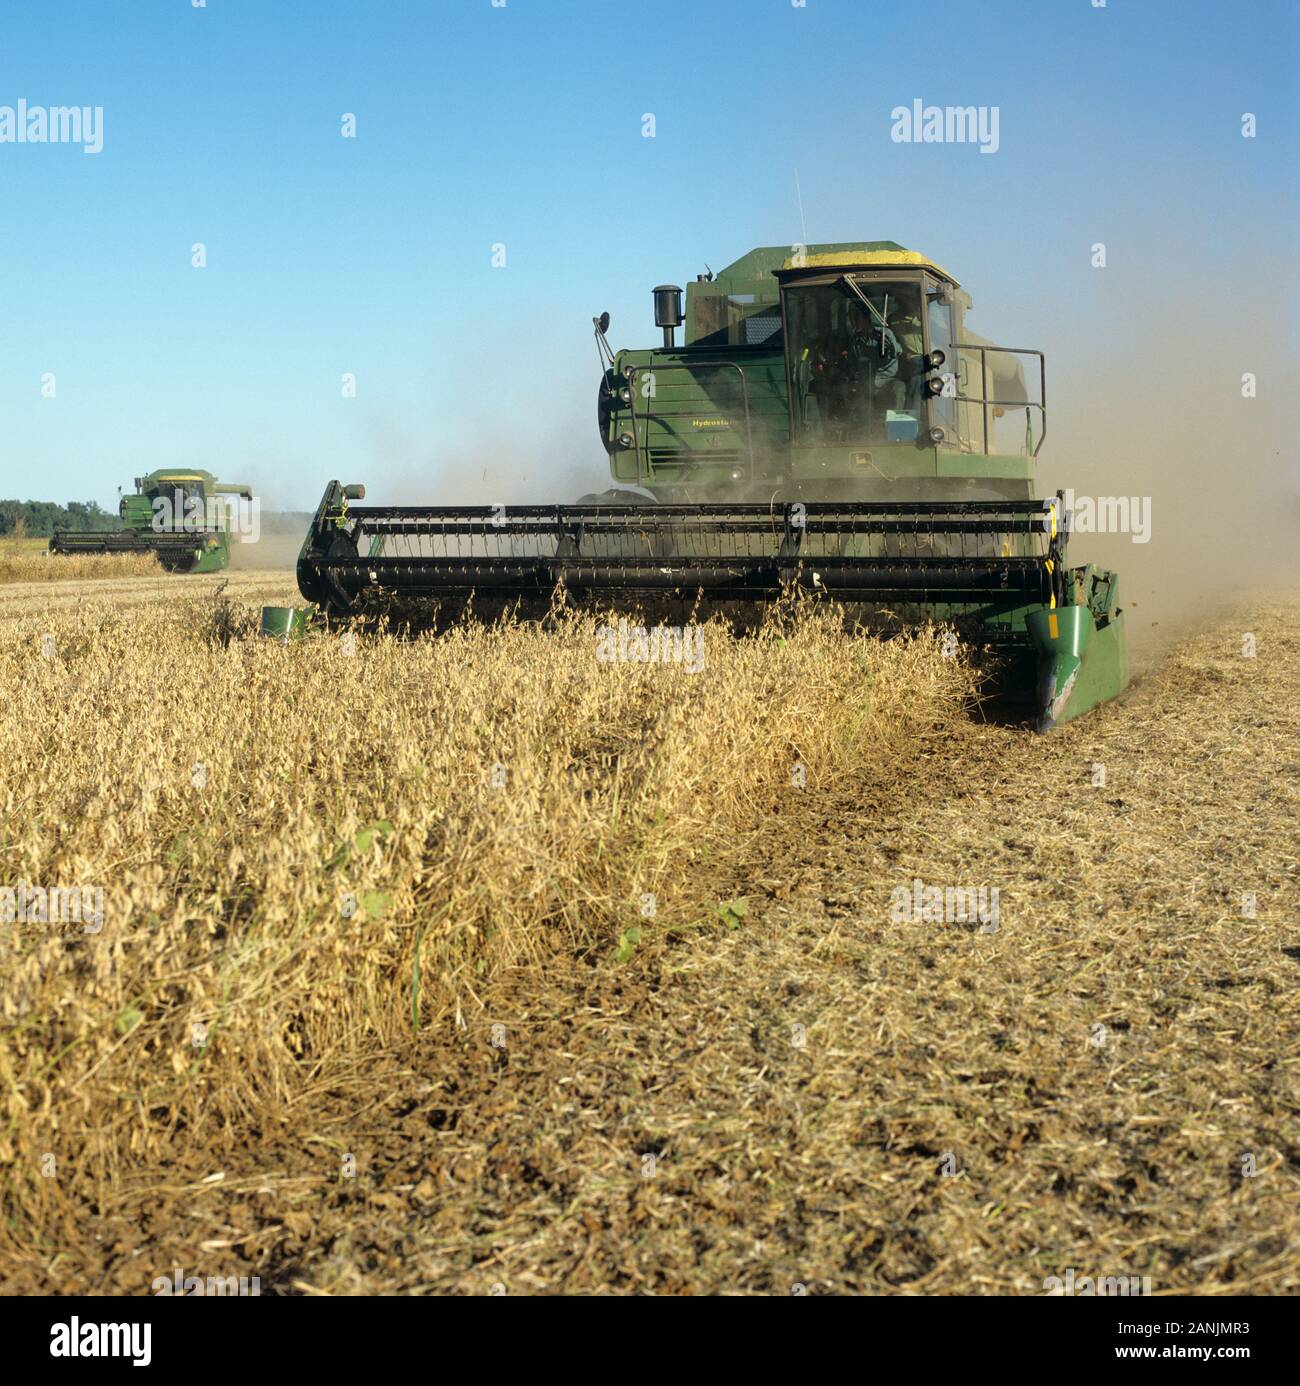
[{"x": 180, "y": 514}]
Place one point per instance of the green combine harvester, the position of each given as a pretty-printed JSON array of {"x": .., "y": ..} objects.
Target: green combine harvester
[
  {"x": 177, "y": 514},
  {"x": 829, "y": 425}
]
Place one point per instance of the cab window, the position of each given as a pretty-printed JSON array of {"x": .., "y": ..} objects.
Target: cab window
[{"x": 857, "y": 364}]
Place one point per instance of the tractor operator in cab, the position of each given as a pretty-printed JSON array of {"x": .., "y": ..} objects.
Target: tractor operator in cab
[
  {"x": 839, "y": 373},
  {"x": 898, "y": 378},
  {"x": 867, "y": 364},
  {"x": 849, "y": 364}
]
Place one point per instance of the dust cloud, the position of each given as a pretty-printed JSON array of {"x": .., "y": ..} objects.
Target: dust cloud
[
  {"x": 270, "y": 551},
  {"x": 496, "y": 468},
  {"x": 1164, "y": 419}
]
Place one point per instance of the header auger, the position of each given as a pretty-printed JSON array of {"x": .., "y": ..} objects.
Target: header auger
[{"x": 829, "y": 425}]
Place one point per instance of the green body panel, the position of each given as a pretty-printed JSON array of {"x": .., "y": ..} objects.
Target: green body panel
[
  {"x": 697, "y": 414},
  {"x": 213, "y": 556},
  {"x": 196, "y": 536},
  {"x": 1080, "y": 664}
]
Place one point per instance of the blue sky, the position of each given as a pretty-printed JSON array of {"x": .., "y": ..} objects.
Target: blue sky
[{"x": 522, "y": 125}]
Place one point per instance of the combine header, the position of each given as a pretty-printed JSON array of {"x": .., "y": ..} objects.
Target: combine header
[
  {"x": 178, "y": 514},
  {"x": 830, "y": 426}
]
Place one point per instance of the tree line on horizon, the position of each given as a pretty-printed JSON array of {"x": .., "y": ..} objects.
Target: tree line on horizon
[{"x": 40, "y": 519}]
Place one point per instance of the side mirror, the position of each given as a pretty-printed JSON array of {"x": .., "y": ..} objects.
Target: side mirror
[{"x": 602, "y": 323}]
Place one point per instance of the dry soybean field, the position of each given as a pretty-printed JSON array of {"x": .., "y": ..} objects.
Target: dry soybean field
[{"x": 479, "y": 963}]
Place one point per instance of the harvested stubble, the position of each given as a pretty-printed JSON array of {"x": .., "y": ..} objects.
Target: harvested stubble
[{"x": 311, "y": 850}]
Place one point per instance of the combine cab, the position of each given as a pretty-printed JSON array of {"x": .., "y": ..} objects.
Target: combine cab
[
  {"x": 180, "y": 515},
  {"x": 830, "y": 425}
]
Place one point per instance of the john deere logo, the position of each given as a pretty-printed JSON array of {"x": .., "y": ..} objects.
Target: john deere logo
[{"x": 863, "y": 459}]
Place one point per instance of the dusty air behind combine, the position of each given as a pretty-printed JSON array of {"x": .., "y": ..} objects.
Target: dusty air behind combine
[
  {"x": 830, "y": 424},
  {"x": 180, "y": 514}
]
